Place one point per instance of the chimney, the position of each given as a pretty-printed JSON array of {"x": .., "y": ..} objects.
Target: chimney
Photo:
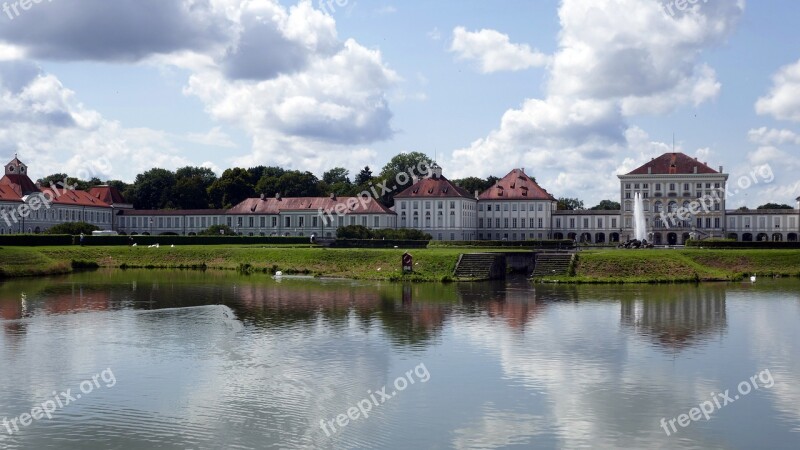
[
  {"x": 333, "y": 196},
  {"x": 522, "y": 169},
  {"x": 720, "y": 169},
  {"x": 263, "y": 197},
  {"x": 277, "y": 196}
]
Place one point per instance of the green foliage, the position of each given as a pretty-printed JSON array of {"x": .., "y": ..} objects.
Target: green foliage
[
  {"x": 72, "y": 228},
  {"x": 569, "y": 204},
  {"x": 472, "y": 184},
  {"x": 413, "y": 164},
  {"x": 775, "y": 206},
  {"x": 217, "y": 230},
  {"x": 607, "y": 205},
  {"x": 33, "y": 240},
  {"x": 153, "y": 189},
  {"x": 362, "y": 232},
  {"x": 231, "y": 188},
  {"x": 364, "y": 176},
  {"x": 191, "y": 187}
]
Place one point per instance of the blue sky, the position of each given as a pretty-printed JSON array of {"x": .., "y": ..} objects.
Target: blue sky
[{"x": 575, "y": 91}]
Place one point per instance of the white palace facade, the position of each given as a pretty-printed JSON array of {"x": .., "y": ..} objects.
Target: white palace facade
[{"x": 681, "y": 197}]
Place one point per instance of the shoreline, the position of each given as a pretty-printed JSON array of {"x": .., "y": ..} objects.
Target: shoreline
[{"x": 435, "y": 264}]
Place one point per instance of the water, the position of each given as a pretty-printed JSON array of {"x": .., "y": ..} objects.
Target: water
[
  {"x": 218, "y": 360},
  {"x": 639, "y": 222}
]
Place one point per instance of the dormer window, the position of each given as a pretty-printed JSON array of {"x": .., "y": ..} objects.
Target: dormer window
[{"x": 11, "y": 169}]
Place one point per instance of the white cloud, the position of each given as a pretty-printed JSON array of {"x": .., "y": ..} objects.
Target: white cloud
[
  {"x": 605, "y": 71},
  {"x": 494, "y": 52},
  {"x": 783, "y": 100},
  {"x": 435, "y": 34},
  {"x": 215, "y": 137},
  {"x": 772, "y": 136}
]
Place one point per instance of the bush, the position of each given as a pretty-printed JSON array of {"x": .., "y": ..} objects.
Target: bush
[
  {"x": 378, "y": 243},
  {"x": 218, "y": 230},
  {"x": 729, "y": 243},
  {"x": 73, "y": 228},
  {"x": 193, "y": 240},
  {"x": 362, "y": 232},
  {"x": 34, "y": 240},
  {"x": 545, "y": 244}
]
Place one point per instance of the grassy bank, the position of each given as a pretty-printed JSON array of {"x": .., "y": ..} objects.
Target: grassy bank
[
  {"x": 665, "y": 266},
  {"x": 368, "y": 264}
]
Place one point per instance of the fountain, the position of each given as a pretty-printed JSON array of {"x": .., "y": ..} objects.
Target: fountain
[{"x": 639, "y": 223}]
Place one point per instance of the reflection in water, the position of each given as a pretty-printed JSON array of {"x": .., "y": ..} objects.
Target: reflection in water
[
  {"x": 677, "y": 322},
  {"x": 221, "y": 360}
]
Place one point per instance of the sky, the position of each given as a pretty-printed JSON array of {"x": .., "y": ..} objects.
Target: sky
[{"x": 574, "y": 91}]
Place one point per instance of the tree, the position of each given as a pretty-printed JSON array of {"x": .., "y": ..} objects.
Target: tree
[
  {"x": 569, "y": 204},
  {"x": 298, "y": 184},
  {"x": 191, "y": 187},
  {"x": 336, "y": 175},
  {"x": 231, "y": 188},
  {"x": 218, "y": 230},
  {"x": 774, "y": 206},
  {"x": 153, "y": 189},
  {"x": 408, "y": 163},
  {"x": 743, "y": 208},
  {"x": 472, "y": 184},
  {"x": 364, "y": 176},
  {"x": 607, "y": 205},
  {"x": 72, "y": 228},
  {"x": 53, "y": 179}
]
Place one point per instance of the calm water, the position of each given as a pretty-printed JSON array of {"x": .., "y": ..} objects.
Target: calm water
[{"x": 216, "y": 360}]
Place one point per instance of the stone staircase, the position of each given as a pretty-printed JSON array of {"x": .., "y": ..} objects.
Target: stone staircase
[
  {"x": 552, "y": 264},
  {"x": 480, "y": 266}
]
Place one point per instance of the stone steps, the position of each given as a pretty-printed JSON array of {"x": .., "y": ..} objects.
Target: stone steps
[
  {"x": 552, "y": 264},
  {"x": 479, "y": 266}
]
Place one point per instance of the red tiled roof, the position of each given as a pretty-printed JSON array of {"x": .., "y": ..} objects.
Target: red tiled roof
[
  {"x": 273, "y": 205},
  {"x": 438, "y": 186},
  {"x": 74, "y": 198},
  {"x": 108, "y": 194},
  {"x": 673, "y": 164},
  {"x": 21, "y": 184},
  {"x": 7, "y": 194},
  {"x": 516, "y": 186}
]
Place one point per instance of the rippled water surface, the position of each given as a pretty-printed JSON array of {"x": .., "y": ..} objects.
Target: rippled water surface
[{"x": 217, "y": 360}]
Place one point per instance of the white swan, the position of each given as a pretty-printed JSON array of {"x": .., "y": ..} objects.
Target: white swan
[
  {"x": 753, "y": 278},
  {"x": 279, "y": 274}
]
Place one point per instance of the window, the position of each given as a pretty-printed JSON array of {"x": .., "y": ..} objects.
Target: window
[
  {"x": 558, "y": 223},
  {"x": 716, "y": 222},
  {"x": 263, "y": 222},
  {"x": 532, "y": 223},
  {"x": 497, "y": 223},
  {"x": 572, "y": 223},
  {"x": 514, "y": 223},
  {"x": 505, "y": 206},
  {"x": 505, "y": 222},
  {"x": 636, "y": 186},
  {"x": 480, "y": 223},
  {"x": 585, "y": 223},
  {"x": 314, "y": 221},
  {"x": 541, "y": 207},
  {"x": 287, "y": 221},
  {"x": 613, "y": 223},
  {"x": 599, "y": 223},
  {"x": 274, "y": 222},
  {"x": 672, "y": 187},
  {"x": 686, "y": 187},
  {"x": 252, "y": 222},
  {"x": 658, "y": 186},
  {"x": 541, "y": 223},
  {"x": 627, "y": 185},
  {"x": 488, "y": 207},
  {"x": 452, "y": 205},
  {"x": 514, "y": 208}
]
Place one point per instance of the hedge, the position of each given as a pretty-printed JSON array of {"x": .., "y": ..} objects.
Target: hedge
[
  {"x": 378, "y": 243},
  {"x": 723, "y": 244},
  {"x": 34, "y": 240},
  {"x": 549, "y": 244},
  {"x": 140, "y": 239}
]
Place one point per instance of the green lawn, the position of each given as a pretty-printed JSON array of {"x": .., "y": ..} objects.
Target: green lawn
[{"x": 647, "y": 266}]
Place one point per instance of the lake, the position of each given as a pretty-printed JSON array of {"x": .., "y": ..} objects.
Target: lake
[{"x": 210, "y": 360}]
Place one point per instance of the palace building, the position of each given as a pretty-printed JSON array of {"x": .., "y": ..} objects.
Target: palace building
[{"x": 681, "y": 198}]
